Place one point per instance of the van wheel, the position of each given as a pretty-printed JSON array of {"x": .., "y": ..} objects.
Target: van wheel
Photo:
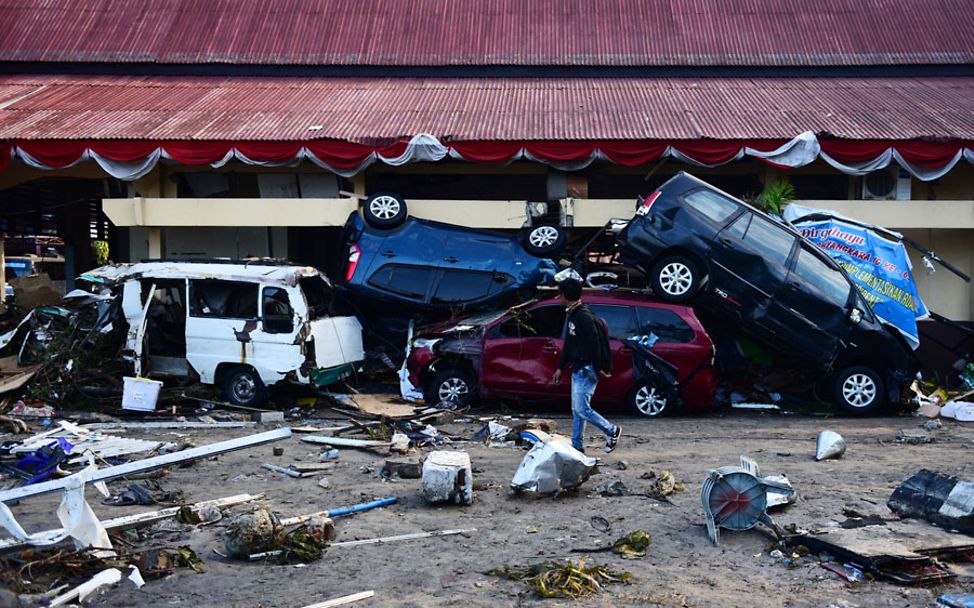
[
  {"x": 384, "y": 210},
  {"x": 675, "y": 278},
  {"x": 858, "y": 390},
  {"x": 544, "y": 241},
  {"x": 451, "y": 384},
  {"x": 242, "y": 386},
  {"x": 647, "y": 400}
]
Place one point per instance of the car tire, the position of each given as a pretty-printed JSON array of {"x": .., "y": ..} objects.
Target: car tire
[
  {"x": 243, "y": 386},
  {"x": 544, "y": 240},
  {"x": 647, "y": 400},
  {"x": 675, "y": 279},
  {"x": 384, "y": 210},
  {"x": 453, "y": 384},
  {"x": 858, "y": 390}
]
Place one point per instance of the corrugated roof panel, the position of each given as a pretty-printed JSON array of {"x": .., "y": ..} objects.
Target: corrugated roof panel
[
  {"x": 490, "y": 32},
  {"x": 368, "y": 110}
]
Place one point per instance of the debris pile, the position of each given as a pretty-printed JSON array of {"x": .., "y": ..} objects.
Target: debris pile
[{"x": 570, "y": 580}]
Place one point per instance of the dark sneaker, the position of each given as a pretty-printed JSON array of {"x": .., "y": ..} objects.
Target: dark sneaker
[{"x": 613, "y": 440}]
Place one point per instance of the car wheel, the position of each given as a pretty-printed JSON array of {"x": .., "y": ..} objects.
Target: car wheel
[
  {"x": 384, "y": 210},
  {"x": 242, "y": 386},
  {"x": 675, "y": 278},
  {"x": 649, "y": 401},
  {"x": 544, "y": 241},
  {"x": 451, "y": 384},
  {"x": 858, "y": 390}
]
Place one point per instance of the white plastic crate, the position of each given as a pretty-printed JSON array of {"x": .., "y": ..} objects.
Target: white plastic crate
[{"x": 140, "y": 394}]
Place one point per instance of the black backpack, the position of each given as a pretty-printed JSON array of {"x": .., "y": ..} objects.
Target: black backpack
[{"x": 604, "y": 364}]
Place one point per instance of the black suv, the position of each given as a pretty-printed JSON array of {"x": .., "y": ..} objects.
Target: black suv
[{"x": 697, "y": 243}]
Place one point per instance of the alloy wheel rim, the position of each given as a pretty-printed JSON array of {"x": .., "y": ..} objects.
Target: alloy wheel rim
[
  {"x": 543, "y": 236},
  {"x": 675, "y": 278},
  {"x": 384, "y": 207},
  {"x": 244, "y": 388},
  {"x": 453, "y": 389},
  {"x": 649, "y": 401},
  {"x": 859, "y": 390}
]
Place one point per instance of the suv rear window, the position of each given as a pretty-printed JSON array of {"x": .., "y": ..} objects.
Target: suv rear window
[
  {"x": 463, "y": 286},
  {"x": 664, "y": 323},
  {"x": 711, "y": 204}
]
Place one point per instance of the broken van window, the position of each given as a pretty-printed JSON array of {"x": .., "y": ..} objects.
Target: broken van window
[
  {"x": 318, "y": 294},
  {"x": 223, "y": 299},
  {"x": 540, "y": 322},
  {"x": 276, "y": 312}
]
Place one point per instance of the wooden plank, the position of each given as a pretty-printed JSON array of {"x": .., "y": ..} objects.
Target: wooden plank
[
  {"x": 392, "y": 539},
  {"x": 383, "y": 405},
  {"x": 341, "y": 601},
  {"x": 346, "y": 442}
]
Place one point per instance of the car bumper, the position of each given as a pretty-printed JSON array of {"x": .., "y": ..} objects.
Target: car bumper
[{"x": 325, "y": 376}]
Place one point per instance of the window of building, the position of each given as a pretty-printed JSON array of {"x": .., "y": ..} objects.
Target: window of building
[{"x": 824, "y": 187}]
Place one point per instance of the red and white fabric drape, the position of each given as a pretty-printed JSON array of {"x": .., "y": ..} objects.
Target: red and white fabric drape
[{"x": 130, "y": 160}]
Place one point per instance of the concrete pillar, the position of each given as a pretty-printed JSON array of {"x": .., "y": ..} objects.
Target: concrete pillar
[{"x": 155, "y": 242}]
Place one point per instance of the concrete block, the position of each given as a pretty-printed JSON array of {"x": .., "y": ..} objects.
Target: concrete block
[
  {"x": 448, "y": 477},
  {"x": 267, "y": 417}
]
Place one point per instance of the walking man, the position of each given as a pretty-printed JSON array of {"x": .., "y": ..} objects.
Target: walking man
[{"x": 586, "y": 349}]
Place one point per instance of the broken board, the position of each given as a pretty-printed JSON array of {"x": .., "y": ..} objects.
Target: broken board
[
  {"x": 384, "y": 406},
  {"x": 899, "y": 551}
]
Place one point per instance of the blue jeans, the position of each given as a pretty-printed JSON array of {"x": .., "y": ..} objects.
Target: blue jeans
[{"x": 584, "y": 381}]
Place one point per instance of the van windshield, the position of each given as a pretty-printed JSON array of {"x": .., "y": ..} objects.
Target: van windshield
[{"x": 318, "y": 295}]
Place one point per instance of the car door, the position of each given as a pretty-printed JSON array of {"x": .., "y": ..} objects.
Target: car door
[
  {"x": 521, "y": 354},
  {"x": 812, "y": 315},
  {"x": 750, "y": 268},
  {"x": 620, "y": 320},
  {"x": 276, "y": 348}
]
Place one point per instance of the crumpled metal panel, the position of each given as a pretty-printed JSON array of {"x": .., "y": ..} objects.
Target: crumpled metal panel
[
  {"x": 497, "y": 109},
  {"x": 490, "y": 32}
]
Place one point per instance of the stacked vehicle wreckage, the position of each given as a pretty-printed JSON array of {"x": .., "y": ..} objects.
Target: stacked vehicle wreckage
[{"x": 698, "y": 289}]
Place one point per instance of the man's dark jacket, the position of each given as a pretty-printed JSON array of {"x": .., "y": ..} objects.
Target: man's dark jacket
[{"x": 581, "y": 339}]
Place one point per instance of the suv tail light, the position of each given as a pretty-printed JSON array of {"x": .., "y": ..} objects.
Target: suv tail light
[
  {"x": 354, "y": 253},
  {"x": 647, "y": 203}
]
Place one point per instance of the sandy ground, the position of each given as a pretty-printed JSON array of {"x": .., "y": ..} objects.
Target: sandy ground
[{"x": 681, "y": 569}]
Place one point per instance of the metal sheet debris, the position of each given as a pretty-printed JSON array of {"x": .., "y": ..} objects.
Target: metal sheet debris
[
  {"x": 940, "y": 499},
  {"x": 552, "y": 465},
  {"x": 829, "y": 445}
]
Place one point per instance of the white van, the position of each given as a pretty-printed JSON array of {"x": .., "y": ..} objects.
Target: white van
[{"x": 241, "y": 325}]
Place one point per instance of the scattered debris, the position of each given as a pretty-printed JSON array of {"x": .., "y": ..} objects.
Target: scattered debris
[
  {"x": 448, "y": 477},
  {"x": 940, "y": 499},
  {"x": 633, "y": 545},
  {"x": 613, "y": 487},
  {"x": 663, "y": 485},
  {"x": 913, "y": 437},
  {"x": 829, "y": 445},
  {"x": 736, "y": 498},
  {"x": 341, "y": 601},
  {"x": 554, "y": 579},
  {"x": 777, "y": 497},
  {"x": 956, "y": 601},
  {"x": 406, "y": 469},
  {"x": 251, "y": 533},
  {"x": 147, "y": 464},
  {"x": 79, "y": 593},
  {"x": 551, "y": 466}
]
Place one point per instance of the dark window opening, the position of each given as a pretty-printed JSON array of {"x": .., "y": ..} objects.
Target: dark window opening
[
  {"x": 319, "y": 296},
  {"x": 223, "y": 299},
  {"x": 666, "y": 324},
  {"x": 462, "y": 187},
  {"x": 541, "y": 322},
  {"x": 463, "y": 286},
  {"x": 278, "y": 316},
  {"x": 166, "y": 318},
  {"x": 408, "y": 281},
  {"x": 825, "y": 187}
]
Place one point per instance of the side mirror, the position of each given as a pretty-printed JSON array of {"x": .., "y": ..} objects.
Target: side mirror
[{"x": 855, "y": 315}]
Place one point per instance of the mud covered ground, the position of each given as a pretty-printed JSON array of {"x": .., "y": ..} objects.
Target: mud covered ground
[{"x": 682, "y": 568}]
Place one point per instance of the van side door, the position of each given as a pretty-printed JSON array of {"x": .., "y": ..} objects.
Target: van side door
[{"x": 222, "y": 317}]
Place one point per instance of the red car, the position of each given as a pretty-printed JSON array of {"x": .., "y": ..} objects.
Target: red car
[{"x": 513, "y": 354}]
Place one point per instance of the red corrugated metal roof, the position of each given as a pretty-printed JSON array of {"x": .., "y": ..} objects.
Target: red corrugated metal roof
[
  {"x": 369, "y": 110},
  {"x": 491, "y": 32}
]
